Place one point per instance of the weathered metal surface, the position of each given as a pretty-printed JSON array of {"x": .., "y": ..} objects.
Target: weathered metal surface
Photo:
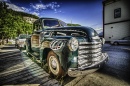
[{"x": 17, "y": 69}]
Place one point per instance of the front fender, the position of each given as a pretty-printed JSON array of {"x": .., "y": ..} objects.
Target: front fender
[{"x": 59, "y": 47}]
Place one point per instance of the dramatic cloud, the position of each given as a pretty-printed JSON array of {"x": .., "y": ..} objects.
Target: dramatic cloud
[
  {"x": 5, "y": 0},
  {"x": 14, "y": 7},
  {"x": 40, "y": 6},
  {"x": 98, "y": 29},
  {"x": 25, "y": 9},
  {"x": 35, "y": 13}
]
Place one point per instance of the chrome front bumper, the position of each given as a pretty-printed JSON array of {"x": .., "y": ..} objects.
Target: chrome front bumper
[{"x": 74, "y": 72}]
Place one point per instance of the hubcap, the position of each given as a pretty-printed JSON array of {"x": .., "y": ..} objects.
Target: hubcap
[{"x": 53, "y": 64}]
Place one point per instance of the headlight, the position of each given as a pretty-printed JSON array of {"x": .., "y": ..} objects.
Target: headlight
[{"x": 73, "y": 44}]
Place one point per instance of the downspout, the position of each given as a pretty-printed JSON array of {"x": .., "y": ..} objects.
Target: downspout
[{"x": 103, "y": 3}]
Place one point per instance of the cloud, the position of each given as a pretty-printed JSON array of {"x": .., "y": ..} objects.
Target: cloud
[
  {"x": 14, "y": 7},
  {"x": 5, "y": 0},
  {"x": 40, "y": 6},
  {"x": 25, "y": 9},
  {"x": 99, "y": 29},
  {"x": 36, "y": 13}
]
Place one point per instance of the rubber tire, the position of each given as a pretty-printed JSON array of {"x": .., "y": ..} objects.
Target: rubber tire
[{"x": 60, "y": 72}]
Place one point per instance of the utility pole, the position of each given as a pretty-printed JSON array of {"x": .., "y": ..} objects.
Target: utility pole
[{"x": 71, "y": 21}]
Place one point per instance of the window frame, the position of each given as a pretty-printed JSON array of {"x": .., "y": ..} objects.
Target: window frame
[{"x": 117, "y": 13}]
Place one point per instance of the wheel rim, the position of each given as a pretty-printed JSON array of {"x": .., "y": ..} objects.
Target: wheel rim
[{"x": 54, "y": 65}]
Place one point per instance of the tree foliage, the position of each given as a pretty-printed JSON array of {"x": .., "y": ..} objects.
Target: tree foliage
[{"x": 12, "y": 22}]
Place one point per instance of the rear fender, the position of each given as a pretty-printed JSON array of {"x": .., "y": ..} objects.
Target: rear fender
[{"x": 28, "y": 44}]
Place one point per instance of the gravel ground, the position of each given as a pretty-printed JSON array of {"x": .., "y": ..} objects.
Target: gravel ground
[
  {"x": 17, "y": 69},
  {"x": 114, "y": 73}
]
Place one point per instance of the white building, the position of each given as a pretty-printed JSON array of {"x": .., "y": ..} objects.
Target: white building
[
  {"x": 116, "y": 19},
  {"x": 29, "y": 19}
]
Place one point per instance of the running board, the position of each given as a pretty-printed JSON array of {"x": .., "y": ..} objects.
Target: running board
[{"x": 34, "y": 55}]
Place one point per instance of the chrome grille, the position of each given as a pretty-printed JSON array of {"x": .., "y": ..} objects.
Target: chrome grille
[{"x": 89, "y": 53}]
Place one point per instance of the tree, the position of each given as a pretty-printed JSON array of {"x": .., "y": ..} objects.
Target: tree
[{"x": 12, "y": 22}]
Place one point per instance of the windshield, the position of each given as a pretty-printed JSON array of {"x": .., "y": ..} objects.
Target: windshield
[
  {"x": 22, "y": 36},
  {"x": 51, "y": 23}
]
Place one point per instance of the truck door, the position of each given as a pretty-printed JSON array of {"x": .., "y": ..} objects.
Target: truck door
[{"x": 35, "y": 42}]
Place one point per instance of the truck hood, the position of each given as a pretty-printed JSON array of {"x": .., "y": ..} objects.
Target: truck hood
[{"x": 89, "y": 31}]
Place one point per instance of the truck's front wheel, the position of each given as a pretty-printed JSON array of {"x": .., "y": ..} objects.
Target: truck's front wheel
[{"x": 54, "y": 65}]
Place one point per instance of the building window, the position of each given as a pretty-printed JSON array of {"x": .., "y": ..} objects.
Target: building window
[{"x": 117, "y": 13}]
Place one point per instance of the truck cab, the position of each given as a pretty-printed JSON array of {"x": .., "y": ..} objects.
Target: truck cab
[{"x": 75, "y": 50}]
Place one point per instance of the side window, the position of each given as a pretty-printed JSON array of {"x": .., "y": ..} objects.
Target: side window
[{"x": 117, "y": 13}]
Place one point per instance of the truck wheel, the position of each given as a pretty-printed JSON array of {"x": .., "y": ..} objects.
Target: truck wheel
[{"x": 54, "y": 65}]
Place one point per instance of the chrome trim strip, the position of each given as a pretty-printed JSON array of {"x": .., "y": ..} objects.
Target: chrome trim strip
[
  {"x": 89, "y": 51},
  {"x": 80, "y": 62},
  {"x": 97, "y": 58},
  {"x": 56, "y": 44},
  {"x": 104, "y": 57},
  {"x": 96, "y": 37},
  {"x": 89, "y": 43},
  {"x": 89, "y": 55},
  {"x": 85, "y": 65},
  {"x": 94, "y": 46}
]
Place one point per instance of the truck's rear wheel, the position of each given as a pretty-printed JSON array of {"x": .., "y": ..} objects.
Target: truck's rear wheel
[{"x": 54, "y": 65}]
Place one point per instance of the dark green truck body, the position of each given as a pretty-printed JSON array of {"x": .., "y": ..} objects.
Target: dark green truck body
[{"x": 78, "y": 49}]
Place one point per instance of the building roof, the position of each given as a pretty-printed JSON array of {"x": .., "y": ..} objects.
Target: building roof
[{"x": 106, "y": 2}]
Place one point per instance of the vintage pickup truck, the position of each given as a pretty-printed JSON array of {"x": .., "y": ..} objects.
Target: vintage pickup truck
[{"x": 66, "y": 50}]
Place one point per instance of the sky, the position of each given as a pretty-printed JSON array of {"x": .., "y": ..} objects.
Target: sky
[{"x": 83, "y": 12}]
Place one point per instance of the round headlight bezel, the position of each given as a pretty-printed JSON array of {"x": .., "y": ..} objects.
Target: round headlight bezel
[{"x": 73, "y": 44}]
